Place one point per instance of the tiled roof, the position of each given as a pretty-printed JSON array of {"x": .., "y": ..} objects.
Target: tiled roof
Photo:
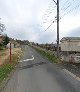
[{"x": 70, "y": 38}]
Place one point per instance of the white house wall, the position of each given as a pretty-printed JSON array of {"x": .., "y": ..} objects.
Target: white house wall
[
  {"x": 8, "y": 45},
  {"x": 70, "y": 46}
]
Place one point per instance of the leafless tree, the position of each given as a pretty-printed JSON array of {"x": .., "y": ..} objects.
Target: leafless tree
[{"x": 2, "y": 27}]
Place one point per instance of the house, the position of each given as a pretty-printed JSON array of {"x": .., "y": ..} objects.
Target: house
[
  {"x": 70, "y": 48},
  {"x": 70, "y": 44},
  {"x": 12, "y": 46},
  {"x": 15, "y": 42}
]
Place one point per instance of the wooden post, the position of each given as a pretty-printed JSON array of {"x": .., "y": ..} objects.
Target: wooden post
[{"x": 10, "y": 52}]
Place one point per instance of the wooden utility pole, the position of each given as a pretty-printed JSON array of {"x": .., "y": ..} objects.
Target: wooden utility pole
[
  {"x": 58, "y": 28},
  {"x": 57, "y": 4}
]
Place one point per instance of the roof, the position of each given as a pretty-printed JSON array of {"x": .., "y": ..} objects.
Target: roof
[{"x": 70, "y": 39}]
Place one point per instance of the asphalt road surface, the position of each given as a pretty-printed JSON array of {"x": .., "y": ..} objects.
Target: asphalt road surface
[{"x": 37, "y": 74}]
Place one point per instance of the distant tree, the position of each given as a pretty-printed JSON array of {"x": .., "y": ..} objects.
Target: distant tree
[
  {"x": 2, "y": 27},
  {"x": 6, "y": 40}
]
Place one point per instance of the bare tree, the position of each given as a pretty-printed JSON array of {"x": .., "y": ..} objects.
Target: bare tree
[{"x": 2, "y": 27}]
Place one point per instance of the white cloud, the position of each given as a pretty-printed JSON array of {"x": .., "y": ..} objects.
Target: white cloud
[
  {"x": 23, "y": 18},
  {"x": 68, "y": 24}
]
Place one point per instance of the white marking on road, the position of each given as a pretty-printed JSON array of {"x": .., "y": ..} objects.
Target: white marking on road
[
  {"x": 73, "y": 75},
  {"x": 28, "y": 59}
]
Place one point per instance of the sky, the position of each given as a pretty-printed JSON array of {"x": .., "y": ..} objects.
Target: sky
[{"x": 28, "y": 19}]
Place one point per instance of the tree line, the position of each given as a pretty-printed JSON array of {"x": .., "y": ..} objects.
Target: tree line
[{"x": 5, "y": 38}]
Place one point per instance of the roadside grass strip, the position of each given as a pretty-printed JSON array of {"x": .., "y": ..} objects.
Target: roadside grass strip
[
  {"x": 47, "y": 54},
  {"x": 7, "y": 67},
  {"x": 5, "y": 71}
]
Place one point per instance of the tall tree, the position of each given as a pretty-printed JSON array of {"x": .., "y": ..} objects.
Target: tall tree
[{"x": 6, "y": 40}]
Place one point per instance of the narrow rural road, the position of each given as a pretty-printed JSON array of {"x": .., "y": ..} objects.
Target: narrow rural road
[{"x": 37, "y": 74}]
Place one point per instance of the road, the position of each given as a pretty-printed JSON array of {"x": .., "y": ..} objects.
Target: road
[{"x": 37, "y": 74}]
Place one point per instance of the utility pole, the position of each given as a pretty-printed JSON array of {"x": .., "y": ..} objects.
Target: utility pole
[
  {"x": 57, "y": 4},
  {"x": 58, "y": 28}
]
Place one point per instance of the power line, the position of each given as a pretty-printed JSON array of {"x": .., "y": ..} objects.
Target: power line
[
  {"x": 57, "y": 3},
  {"x": 64, "y": 10},
  {"x": 48, "y": 12},
  {"x": 70, "y": 8},
  {"x": 49, "y": 26},
  {"x": 58, "y": 23},
  {"x": 47, "y": 16},
  {"x": 62, "y": 15}
]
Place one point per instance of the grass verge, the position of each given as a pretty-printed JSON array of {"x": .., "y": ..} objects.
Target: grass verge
[
  {"x": 47, "y": 54},
  {"x": 5, "y": 71},
  {"x": 7, "y": 66}
]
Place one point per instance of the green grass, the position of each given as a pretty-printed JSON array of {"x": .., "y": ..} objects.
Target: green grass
[
  {"x": 5, "y": 71},
  {"x": 48, "y": 55},
  {"x": 7, "y": 67}
]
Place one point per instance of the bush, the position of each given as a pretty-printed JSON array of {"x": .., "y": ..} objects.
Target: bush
[{"x": 1, "y": 46}]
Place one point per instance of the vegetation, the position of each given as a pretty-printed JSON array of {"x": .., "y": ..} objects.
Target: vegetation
[
  {"x": 6, "y": 40},
  {"x": 48, "y": 55},
  {"x": 1, "y": 46},
  {"x": 5, "y": 70},
  {"x": 7, "y": 66},
  {"x": 2, "y": 27},
  {"x": 5, "y": 37}
]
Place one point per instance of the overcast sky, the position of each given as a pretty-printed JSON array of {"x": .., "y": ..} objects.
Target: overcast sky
[{"x": 28, "y": 19}]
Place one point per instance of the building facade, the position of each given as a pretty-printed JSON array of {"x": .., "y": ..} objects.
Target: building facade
[
  {"x": 70, "y": 48},
  {"x": 70, "y": 44}
]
